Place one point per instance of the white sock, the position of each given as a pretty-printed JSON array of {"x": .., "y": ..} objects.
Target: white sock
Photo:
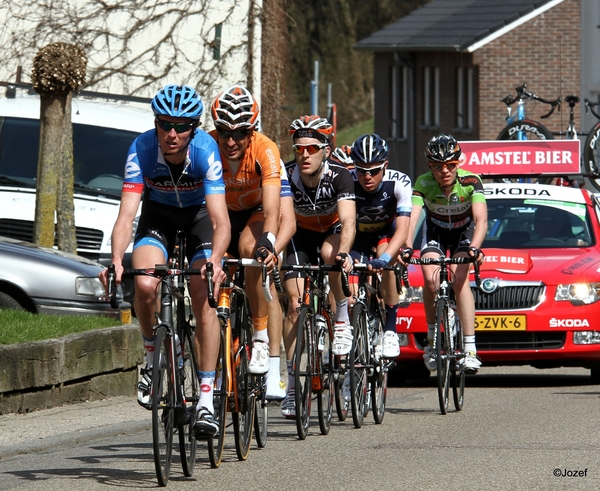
[
  {"x": 274, "y": 367},
  {"x": 341, "y": 311},
  {"x": 149, "y": 345},
  {"x": 261, "y": 335},
  {"x": 470, "y": 344},
  {"x": 206, "y": 394}
]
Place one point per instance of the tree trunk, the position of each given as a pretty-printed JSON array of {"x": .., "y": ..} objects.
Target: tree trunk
[{"x": 65, "y": 209}]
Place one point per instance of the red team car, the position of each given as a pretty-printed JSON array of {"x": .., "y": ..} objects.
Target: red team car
[{"x": 539, "y": 301}]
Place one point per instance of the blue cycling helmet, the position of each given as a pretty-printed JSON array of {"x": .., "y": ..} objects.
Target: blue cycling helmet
[
  {"x": 178, "y": 101},
  {"x": 368, "y": 149}
]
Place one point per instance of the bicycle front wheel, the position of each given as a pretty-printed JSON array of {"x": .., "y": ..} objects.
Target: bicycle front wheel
[
  {"x": 380, "y": 374},
  {"x": 458, "y": 370},
  {"x": 243, "y": 418},
  {"x": 188, "y": 381},
  {"x": 442, "y": 340},
  {"x": 325, "y": 393},
  {"x": 591, "y": 156},
  {"x": 302, "y": 365},
  {"x": 261, "y": 418},
  {"x": 359, "y": 363},
  {"x": 163, "y": 405},
  {"x": 527, "y": 129},
  {"x": 220, "y": 395}
]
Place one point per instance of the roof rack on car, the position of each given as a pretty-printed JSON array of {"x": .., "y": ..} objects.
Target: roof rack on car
[{"x": 12, "y": 86}]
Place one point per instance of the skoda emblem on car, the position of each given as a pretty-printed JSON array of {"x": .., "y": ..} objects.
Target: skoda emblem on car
[{"x": 489, "y": 285}]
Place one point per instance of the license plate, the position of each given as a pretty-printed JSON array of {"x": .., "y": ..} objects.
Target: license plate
[
  {"x": 500, "y": 323},
  {"x": 126, "y": 316}
]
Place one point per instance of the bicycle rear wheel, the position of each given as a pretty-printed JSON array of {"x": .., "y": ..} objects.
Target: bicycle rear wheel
[
  {"x": 163, "y": 406},
  {"x": 359, "y": 362},
  {"x": 217, "y": 443},
  {"x": 442, "y": 337},
  {"x": 302, "y": 365},
  {"x": 527, "y": 129},
  {"x": 591, "y": 156},
  {"x": 325, "y": 394},
  {"x": 261, "y": 418},
  {"x": 458, "y": 371},
  {"x": 188, "y": 380},
  {"x": 243, "y": 418}
]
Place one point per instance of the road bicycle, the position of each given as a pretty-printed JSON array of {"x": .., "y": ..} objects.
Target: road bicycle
[
  {"x": 175, "y": 386},
  {"x": 314, "y": 366},
  {"x": 591, "y": 148},
  {"x": 448, "y": 342},
  {"x": 367, "y": 369},
  {"x": 236, "y": 391}
]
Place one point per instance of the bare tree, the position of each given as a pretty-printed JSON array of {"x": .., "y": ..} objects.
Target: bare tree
[{"x": 58, "y": 71}]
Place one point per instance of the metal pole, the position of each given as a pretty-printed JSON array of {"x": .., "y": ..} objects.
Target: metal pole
[{"x": 314, "y": 93}]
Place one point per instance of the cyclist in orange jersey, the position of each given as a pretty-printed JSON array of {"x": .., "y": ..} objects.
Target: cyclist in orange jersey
[{"x": 256, "y": 190}]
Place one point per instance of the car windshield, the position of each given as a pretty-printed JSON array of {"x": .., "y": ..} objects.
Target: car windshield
[
  {"x": 99, "y": 155},
  {"x": 530, "y": 223}
]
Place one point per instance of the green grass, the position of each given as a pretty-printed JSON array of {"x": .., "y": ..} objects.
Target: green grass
[
  {"x": 347, "y": 136},
  {"x": 20, "y": 327}
]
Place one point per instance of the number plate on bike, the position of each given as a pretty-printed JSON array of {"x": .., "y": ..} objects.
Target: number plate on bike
[{"x": 500, "y": 323}]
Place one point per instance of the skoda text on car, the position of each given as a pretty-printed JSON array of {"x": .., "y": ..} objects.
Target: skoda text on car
[{"x": 539, "y": 301}]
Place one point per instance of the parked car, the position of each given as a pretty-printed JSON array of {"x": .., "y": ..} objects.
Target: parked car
[
  {"x": 45, "y": 280},
  {"x": 103, "y": 130},
  {"x": 540, "y": 290}
]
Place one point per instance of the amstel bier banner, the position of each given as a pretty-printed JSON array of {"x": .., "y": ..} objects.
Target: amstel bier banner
[{"x": 516, "y": 157}]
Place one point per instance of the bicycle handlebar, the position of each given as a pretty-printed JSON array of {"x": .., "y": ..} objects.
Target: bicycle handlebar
[
  {"x": 590, "y": 106},
  {"x": 245, "y": 262},
  {"x": 112, "y": 287},
  {"x": 523, "y": 95},
  {"x": 308, "y": 268},
  {"x": 400, "y": 273},
  {"x": 443, "y": 261}
]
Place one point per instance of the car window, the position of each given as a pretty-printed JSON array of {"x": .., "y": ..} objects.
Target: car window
[
  {"x": 99, "y": 154},
  {"x": 526, "y": 223},
  {"x": 522, "y": 224}
]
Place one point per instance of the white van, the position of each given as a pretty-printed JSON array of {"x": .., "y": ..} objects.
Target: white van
[{"x": 103, "y": 130}]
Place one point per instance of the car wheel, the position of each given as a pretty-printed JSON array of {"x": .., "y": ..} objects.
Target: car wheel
[{"x": 8, "y": 302}]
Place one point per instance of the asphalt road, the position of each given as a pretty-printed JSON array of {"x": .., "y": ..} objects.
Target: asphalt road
[{"x": 521, "y": 429}]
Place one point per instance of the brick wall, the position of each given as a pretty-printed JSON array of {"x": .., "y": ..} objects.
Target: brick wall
[{"x": 545, "y": 53}]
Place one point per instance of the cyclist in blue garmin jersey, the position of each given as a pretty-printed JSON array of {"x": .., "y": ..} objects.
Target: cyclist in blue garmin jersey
[
  {"x": 383, "y": 206},
  {"x": 175, "y": 171}
]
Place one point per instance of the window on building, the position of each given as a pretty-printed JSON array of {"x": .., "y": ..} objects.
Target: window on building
[
  {"x": 464, "y": 99},
  {"x": 431, "y": 97},
  {"x": 398, "y": 111}
]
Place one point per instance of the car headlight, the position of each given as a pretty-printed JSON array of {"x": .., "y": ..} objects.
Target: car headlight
[
  {"x": 586, "y": 337},
  {"x": 91, "y": 287},
  {"x": 578, "y": 293},
  {"x": 413, "y": 294}
]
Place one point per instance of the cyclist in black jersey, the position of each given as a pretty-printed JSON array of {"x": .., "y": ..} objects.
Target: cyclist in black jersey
[
  {"x": 323, "y": 194},
  {"x": 383, "y": 206},
  {"x": 456, "y": 221}
]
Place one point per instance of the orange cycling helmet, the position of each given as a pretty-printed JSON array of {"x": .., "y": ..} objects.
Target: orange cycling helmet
[
  {"x": 311, "y": 126},
  {"x": 443, "y": 148},
  {"x": 341, "y": 155},
  {"x": 235, "y": 108}
]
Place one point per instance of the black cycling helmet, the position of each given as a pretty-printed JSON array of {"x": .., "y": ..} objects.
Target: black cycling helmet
[
  {"x": 368, "y": 149},
  {"x": 443, "y": 148}
]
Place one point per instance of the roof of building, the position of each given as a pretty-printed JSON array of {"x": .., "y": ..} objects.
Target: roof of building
[{"x": 454, "y": 25}]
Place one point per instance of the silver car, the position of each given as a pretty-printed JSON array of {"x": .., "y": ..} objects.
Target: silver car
[{"x": 44, "y": 280}]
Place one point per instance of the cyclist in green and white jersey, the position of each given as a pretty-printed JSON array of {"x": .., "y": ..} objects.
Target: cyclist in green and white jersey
[{"x": 455, "y": 221}]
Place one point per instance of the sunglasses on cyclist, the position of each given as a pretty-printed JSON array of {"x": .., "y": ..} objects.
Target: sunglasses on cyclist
[
  {"x": 178, "y": 127},
  {"x": 439, "y": 167},
  {"x": 372, "y": 171},
  {"x": 311, "y": 148},
  {"x": 236, "y": 135}
]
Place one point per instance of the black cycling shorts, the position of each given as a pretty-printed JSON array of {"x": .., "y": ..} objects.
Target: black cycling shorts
[
  {"x": 305, "y": 248},
  {"x": 159, "y": 224},
  {"x": 440, "y": 240}
]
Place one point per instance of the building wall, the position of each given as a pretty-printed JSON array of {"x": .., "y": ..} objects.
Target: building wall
[{"x": 544, "y": 52}]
